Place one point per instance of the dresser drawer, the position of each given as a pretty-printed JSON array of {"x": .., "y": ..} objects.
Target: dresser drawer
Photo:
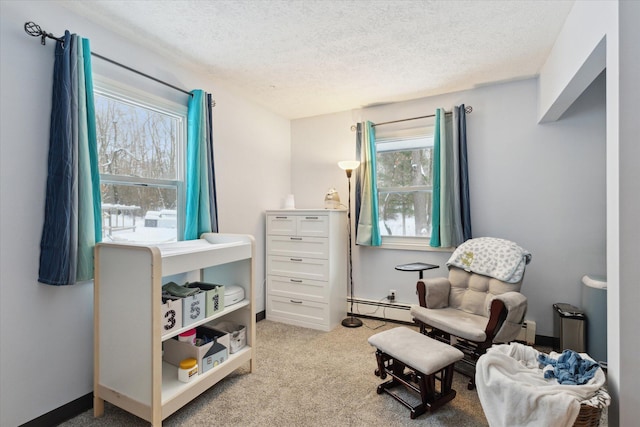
[
  {"x": 282, "y": 225},
  {"x": 297, "y": 311},
  {"x": 305, "y": 289},
  {"x": 313, "y": 225},
  {"x": 292, "y": 246},
  {"x": 298, "y": 267}
]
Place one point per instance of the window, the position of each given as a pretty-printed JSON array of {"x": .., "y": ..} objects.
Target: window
[
  {"x": 405, "y": 184},
  {"x": 141, "y": 143}
]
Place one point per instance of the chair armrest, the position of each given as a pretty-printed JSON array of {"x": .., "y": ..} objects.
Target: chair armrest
[
  {"x": 514, "y": 308},
  {"x": 434, "y": 293}
]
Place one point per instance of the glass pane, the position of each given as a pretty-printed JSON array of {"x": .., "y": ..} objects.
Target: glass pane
[
  {"x": 404, "y": 168},
  {"x": 405, "y": 214},
  {"x": 135, "y": 141},
  {"x": 137, "y": 213}
]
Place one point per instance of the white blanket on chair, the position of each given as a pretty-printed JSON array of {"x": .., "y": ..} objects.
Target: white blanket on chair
[
  {"x": 491, "y": 257},
  {"x": 513, "y": 391}
]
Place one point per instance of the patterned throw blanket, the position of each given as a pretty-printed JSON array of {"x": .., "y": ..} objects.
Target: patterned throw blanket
[{"x": 493, "y": 257}]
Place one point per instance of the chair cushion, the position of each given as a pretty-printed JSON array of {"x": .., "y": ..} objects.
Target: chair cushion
[
  {"x": 437, "y": 292},
  {"x": 473, "y": 293},
  {"x": 456, "y": 322},
  {"x": 415, "y": 349}
]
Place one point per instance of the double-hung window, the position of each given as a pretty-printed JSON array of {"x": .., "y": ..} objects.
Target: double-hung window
[
  {"x": 404, "y": 183},
  {"x": 141, "y": 141}
]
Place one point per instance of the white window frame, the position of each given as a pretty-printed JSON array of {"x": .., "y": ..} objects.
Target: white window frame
[
  {"x": 412, "y": 243},
  {"x": 128, "y": 94}
]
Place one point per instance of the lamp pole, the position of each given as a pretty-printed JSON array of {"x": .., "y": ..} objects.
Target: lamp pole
[{"x": 351, "y": 321}]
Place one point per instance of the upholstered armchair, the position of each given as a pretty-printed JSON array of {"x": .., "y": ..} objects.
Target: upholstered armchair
[{"x": 470, "y": 310}]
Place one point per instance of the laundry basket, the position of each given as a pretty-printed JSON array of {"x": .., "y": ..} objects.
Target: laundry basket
[
  {"x": 589, "y": 416},
  {"x": 509, "y": 375},
  {"x": 591, "y": 411}
]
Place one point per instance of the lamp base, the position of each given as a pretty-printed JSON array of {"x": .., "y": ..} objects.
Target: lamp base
[{"x": 352, "y": 322}]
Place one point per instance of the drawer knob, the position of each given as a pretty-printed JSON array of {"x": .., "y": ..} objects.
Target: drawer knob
[
  {"x": 295, "y": 238},
  {"x": 311, "y": 217},
  {"x": 296, "y": 259},
  {"x": 295, "y": 302},
  {"x": 296, "y": 280}
]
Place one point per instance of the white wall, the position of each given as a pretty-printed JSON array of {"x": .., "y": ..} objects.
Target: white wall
[
  {"x": 46, "y": 332},
  {"x": 615, "y": 22},
  {"x": 629, "y": 208},
  {"x": 542, "y": 186}
]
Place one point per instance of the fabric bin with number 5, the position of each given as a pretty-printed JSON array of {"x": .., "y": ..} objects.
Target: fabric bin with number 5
[
  {"x": 193, "y": 308},
  {"x": 171, "y": 314},
  {"x": 214, "y": 296}
]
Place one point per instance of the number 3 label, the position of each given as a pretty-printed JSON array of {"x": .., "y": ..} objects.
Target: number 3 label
[{"x": 170, "y": 315}]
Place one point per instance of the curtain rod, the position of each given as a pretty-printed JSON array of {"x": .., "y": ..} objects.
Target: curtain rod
[
  {"x": 467, "y": 109},
  {"x": 34, "y": 30}
]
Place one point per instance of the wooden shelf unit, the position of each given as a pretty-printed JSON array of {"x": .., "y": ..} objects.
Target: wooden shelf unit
[{"x": 128, "y": 368}]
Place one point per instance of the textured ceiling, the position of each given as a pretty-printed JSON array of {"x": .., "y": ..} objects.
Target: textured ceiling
[{"x": 303, "y": 58}]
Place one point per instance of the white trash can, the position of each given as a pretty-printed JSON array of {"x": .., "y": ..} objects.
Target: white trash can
[{"x": 594, "y": 303}]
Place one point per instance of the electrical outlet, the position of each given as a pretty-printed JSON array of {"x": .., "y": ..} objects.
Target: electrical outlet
[{"x": 392, "y": 295}]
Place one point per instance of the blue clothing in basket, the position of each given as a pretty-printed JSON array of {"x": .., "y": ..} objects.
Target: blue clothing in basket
[{"x": 570, "y": 368}]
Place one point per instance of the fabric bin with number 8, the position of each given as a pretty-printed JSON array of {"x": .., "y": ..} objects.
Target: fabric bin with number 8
[
  {"x": 214, "y": 296},
  {"x": 193, "y": 308},
  {"x": 171, "y": 314}
]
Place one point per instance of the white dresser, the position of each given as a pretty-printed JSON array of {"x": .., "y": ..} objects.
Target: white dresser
[{"x": 306, "y": 267}]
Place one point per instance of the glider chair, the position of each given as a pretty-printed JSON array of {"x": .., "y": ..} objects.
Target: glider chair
[{"x": 479, "y": 304}]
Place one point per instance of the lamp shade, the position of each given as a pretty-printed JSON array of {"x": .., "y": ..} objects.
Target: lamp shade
[{"x": 348, "y": 164}]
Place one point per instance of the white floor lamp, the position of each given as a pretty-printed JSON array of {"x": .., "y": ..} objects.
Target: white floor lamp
[{"x": 349, "y": 166}]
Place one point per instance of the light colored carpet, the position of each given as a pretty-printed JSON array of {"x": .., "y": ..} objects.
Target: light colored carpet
[{"x": 304, "y": 377}]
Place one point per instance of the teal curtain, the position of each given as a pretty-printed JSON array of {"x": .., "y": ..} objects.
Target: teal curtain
[
  {"x": 73, "y": 222},
  {"x": 450, "y": 210},
  {"x": 367, "y": 229},
  {"x": 201, "y": 208}
]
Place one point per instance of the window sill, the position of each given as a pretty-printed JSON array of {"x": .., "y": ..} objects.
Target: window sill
[{"x": 410, "y": 244}]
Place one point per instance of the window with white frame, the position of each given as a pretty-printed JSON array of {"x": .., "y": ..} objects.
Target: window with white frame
[
  {"x": 141, "y": 141},
  {"x": 404, "y": 164}
]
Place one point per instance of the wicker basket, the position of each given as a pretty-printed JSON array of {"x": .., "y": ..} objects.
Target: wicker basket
[{"x": 589, "y": 416}]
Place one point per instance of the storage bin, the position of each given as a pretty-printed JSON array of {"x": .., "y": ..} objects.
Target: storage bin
[
  {"x": 214, "y": 296},
  {"x": 175, "y": 351},
  {"x": 217, "y": 354},
  {"x": 210, "y": 332},
  {"x": 171, "y": 314},
  {"x": 237, "y": 335}
]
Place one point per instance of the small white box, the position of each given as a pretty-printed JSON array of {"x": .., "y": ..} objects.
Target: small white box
[
  {"x": 193, "y": 308},
  {"x": 233, "y": 294},
  {"x": 171, "y": 315}
]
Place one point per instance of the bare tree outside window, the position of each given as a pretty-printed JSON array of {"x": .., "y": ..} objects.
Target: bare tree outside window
[
  {"x": 404, "y": 183},
  {"x": 138, "y": 164}
]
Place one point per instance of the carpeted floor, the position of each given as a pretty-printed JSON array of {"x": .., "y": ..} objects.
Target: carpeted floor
[{"x": 304, "y": 377}]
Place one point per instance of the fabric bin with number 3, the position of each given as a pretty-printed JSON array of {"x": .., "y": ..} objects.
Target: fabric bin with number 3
[
  {"x": 193, "y": 308},
  {"x": 171, "y": 314}
]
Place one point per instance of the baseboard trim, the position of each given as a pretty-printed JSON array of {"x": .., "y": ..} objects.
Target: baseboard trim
[
  {"x": 542, "y": 340},
  {"x": 63, "y": 413}
]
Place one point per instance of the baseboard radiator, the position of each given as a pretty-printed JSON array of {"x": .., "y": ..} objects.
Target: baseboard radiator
[
  {"x": 381, "y": 309},
  {"x": 528, "y": 332}
]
